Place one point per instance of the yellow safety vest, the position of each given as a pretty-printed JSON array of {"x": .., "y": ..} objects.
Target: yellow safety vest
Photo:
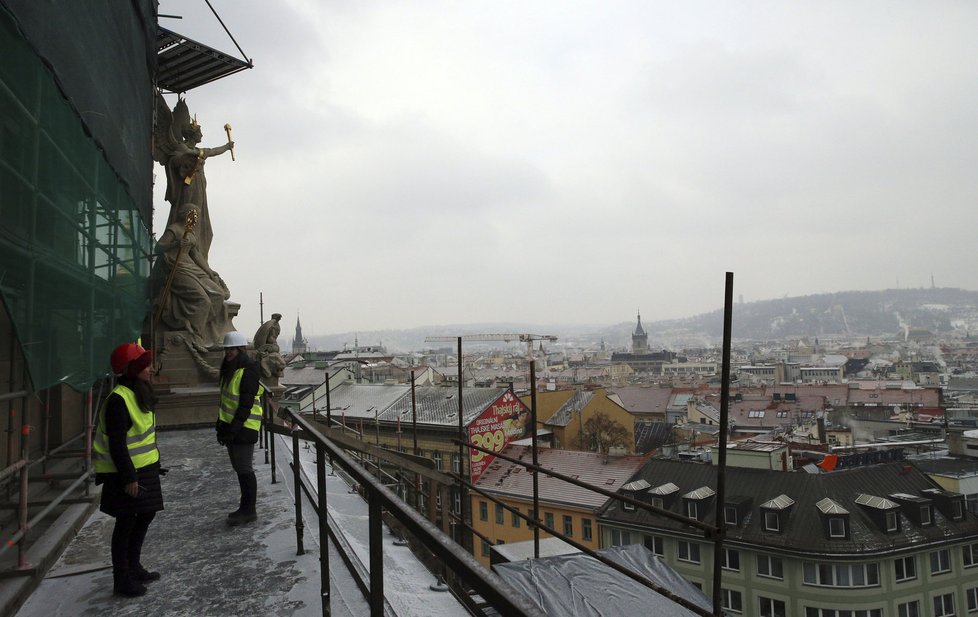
[
  {"x": 140, "y": 439},
  {"x": 230, "y": 394}
]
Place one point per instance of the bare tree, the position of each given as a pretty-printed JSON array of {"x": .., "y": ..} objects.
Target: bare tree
[{"x": 601, "y": 433}]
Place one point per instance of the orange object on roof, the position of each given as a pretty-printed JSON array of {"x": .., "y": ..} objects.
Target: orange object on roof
[{"x": 829, "y": 462}]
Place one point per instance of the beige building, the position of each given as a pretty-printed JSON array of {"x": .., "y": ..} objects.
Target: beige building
[{"x": 564, "y": 507}]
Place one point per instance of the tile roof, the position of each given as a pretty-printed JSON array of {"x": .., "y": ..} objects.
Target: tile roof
[
  {"x": 607, "y": 472},
  {"x": 802, "y": 531},
  {"x": 643, "y": 400}
]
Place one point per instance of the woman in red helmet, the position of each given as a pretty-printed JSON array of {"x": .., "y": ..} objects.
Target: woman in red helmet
[{"x": 127, "y": 464}]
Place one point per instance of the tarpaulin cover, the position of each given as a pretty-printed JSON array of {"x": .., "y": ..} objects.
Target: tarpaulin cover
[
  {"x": 75, "y": 181},
  {"x": 581, "y": 586}
]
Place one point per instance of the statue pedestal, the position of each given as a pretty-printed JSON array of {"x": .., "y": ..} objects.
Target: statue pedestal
[
  {"x": 182, "y": 366},
  {"x": 188, "y": 407}
]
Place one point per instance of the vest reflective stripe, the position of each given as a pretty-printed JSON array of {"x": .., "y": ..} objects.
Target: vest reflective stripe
[
  {"x": 230, "y": 393},
  {"x": 140, "y": 438}
]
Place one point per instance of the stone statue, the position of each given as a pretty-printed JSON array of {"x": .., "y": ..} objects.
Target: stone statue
[
  {"x": 266, "y": 346},
  {"x": 175, "y": 139},
  {"x": 191, "y": 295}
]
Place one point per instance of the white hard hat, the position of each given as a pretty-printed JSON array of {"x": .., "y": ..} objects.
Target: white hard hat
[{"x": 235, "y": 339}]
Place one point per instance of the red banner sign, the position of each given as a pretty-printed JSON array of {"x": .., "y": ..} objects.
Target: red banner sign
[{"x": 504, "y": 421}]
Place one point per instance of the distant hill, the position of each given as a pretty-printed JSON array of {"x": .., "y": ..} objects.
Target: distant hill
[{"x": 890, "y": 313}]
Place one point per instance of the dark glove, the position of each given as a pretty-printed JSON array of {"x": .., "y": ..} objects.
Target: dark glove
[
  {"x": 221, "y": 428},
  {"x": 164, "y": 471}
]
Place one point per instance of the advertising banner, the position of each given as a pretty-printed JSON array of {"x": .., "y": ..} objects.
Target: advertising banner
[{"x": 504, "y": 421}]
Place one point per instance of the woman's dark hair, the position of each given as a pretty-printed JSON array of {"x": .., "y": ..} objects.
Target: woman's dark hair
[
  {"x": 145, "y": 397},
  {"x": 229, "y": 366}
]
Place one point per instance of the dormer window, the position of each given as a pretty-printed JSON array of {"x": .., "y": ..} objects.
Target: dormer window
[
  {"x": 730, "y": 515},
  {"x": 696, "y": 502},
  {"x": 631, "y": 490},
  {"x": 835, "y": 518},
  {"x": 776, "y": 512},
  {"x": 916, "y": 508},
  {"x": 883, "y": 512},
  {"x": 950, "y": 504},
  {"x": 663, "y": 496},
  {"x": 837, "y": 527}
]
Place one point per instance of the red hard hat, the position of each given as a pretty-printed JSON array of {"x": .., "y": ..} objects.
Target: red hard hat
[{"x": 123, "y": 355}]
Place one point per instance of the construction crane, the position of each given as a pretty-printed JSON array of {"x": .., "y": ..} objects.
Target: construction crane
[{"x": 506, "y": 338}]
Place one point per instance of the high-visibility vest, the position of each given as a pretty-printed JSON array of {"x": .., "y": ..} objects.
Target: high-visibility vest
[
  {"x": 230, "y": 394},
  {"x": 140, "y": 439}
]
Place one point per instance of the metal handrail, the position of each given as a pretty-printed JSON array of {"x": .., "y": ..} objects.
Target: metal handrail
[{"x": 499, "y": 594}]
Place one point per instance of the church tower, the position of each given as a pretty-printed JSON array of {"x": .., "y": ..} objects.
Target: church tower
[
  {"x": 640, "y": 340},
  {"x": 298, "y": 343}
]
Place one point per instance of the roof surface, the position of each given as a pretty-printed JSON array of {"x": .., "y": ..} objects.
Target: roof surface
[
  {"x": 802, "y": 530},
  {"x": 607, "y": 472}
]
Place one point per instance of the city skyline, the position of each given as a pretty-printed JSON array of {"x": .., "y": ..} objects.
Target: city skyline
[{"x": 442, "y": 163}]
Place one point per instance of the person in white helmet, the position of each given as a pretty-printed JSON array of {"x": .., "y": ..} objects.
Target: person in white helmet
[{"x": 239, "y": 420}]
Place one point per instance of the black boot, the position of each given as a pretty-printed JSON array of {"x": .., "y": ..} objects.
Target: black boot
[
  {"x": 242, "y": 484},
  {"x": 124, "y": 585},
  {"x": 249, "y": 495},
  {"x": 137, "y": 572}
]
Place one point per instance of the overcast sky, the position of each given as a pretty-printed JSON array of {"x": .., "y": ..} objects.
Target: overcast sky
[{"x": 403, "y": 164}]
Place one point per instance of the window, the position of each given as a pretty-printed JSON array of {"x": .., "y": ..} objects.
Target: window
[
  {"x": 483, "y": 511},
  {"x": 771, "y": 608},
  {"x": 771, "y": 521},
  {"x": 658, "y": 503},
  {"x": 924, "y": 515},
  {"x": 620, "y": 538},
  {"x": 731, "y": 600},
  {"x": 940, "y": 561},
  {"x": 485, "y": 548},
  {"x": 944, "y": 605},
  {"x": 841, "y": 575},
  {"x": 688, "y": 551},
  {"x": 436, "y": 457},
  {"x": 500, "y": 517},
  {"x": 731, "y": 560},
  {"x": 909, "y": 609},
  {"x": 586, "y": 529},
  {"x": 837, "y": 527},
  {"x": 970, "y": 555},
  {"x": 957, "y": 509},
  {"x": 516, "y": 518},
  {"x": 691, "y": 510},
  {"x": 891, "y": 521},
  {"x": 457, "y": 501},
  {"x": 627, "y": 506},
  {"x": 655, "y": 544},
  {"x": 456, "y": 464},
  {"x": 730, "y": 515},
  {"x": 971, "y": 598},
  {"x": 568, "y": 525},
  {"x": 905, "y": 568},
  {"x": 833, "y": 612},
  {"x": 770, "y": 566},
  {"x": 548, "y": 519}
]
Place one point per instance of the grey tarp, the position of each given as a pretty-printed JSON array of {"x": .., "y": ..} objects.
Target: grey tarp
[{"x": 581, "y": 586}]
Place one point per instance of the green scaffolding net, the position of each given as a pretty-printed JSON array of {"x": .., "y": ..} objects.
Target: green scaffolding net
[{"x": 74, "y": 249}]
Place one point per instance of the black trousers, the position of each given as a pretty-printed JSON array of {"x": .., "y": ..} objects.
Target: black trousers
[{"x": 127, "y": 541}]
